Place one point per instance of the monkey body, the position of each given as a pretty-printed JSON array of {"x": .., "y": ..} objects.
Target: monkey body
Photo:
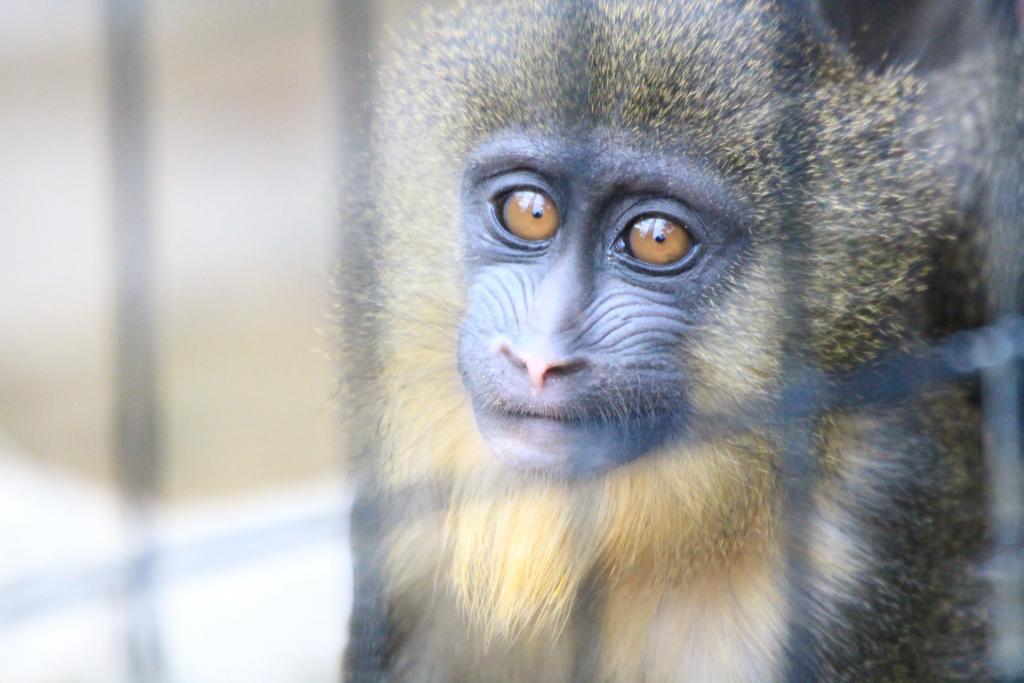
[{"x": 816, "y": 198}]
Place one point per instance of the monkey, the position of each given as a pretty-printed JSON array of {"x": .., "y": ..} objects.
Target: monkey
[{"x": 597, "y": 229}]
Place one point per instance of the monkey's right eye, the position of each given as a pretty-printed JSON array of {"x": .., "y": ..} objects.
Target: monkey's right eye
[
  {"x": 529, "y": 215},
  {"x": 658, "y": 241}
]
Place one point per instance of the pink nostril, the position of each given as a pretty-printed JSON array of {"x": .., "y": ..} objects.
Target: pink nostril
[{"x": 539, "y": 368}]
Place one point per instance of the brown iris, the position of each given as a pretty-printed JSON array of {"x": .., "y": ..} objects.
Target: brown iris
[
  {"x": 530, "y": 215},
  {"x": 658, "y": 241}
]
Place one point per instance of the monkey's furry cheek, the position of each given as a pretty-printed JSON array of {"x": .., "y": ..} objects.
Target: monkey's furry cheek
[{"x": 736, "y": 357}]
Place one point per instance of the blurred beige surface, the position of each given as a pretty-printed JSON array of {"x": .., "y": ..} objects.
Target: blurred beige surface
[
  {"x": 235, "y": 598},
  {"x": 243, "y": 155}
]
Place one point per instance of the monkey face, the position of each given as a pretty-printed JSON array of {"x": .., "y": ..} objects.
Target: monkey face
[
  {"x": 584, "y": 273},
  {"x": 589, "y": 263}
]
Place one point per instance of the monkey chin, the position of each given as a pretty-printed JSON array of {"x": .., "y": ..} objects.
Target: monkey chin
[{"x": 564, "y": 447}]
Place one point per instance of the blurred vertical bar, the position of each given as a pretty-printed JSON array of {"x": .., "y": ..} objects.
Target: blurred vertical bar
[
  {"x": 1002, "y": 386},
  {"x": 1003, "y": 405},
  {"x": 798, "y": 460},
  {"x": 137, "y": 429},
  {"x": 1002, "y": 400},
  {"x": 356, "y": 33}
]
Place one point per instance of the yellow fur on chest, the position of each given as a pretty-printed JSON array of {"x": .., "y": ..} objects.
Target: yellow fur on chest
[
  {"x": 726, "y": 628},
  {"x": 718, "y": 626}
]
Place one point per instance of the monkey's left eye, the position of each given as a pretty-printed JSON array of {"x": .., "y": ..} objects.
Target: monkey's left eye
[
  {"x": 658, "y": 241},
  {"x": 530, "y": 215}
]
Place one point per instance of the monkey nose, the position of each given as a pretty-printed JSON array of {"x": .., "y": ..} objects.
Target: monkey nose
[{"x": 540, "y": 365}]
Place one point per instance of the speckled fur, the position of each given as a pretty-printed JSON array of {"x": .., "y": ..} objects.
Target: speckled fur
[{"x": 670, "y": 569}]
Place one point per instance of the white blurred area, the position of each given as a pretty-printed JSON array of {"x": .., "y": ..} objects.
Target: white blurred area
[
  {"x": 244, "y": 156},
  {"x": 252, "y": 589}
]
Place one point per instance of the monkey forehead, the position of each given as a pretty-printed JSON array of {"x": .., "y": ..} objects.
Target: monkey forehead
[
  {"x": 719, "y": 72},
  {"x": 616, "y": 61}
]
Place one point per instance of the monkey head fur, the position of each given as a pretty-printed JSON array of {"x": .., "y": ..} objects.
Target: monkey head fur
[{"x": 829, "y": 205}]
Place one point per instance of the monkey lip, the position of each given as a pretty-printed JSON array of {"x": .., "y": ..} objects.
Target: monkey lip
[
  {"x": 533, "y": 440},
  {"x": 559, "y": 417},
  {"x": 555, "y": 442}
]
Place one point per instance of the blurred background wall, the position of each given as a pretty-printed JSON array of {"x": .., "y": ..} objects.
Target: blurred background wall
[
  {"x": 244, "y": 157},
  {"x": 246, "y": 140}
]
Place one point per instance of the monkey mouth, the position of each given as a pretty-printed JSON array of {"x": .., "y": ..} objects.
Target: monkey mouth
[
  {"x": 558, "y": 416},
  {"x": 558, "y": 442},
  {"x": 533, "y": 439}
]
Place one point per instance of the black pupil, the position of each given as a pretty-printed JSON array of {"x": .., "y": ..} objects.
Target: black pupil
[
  {"x": 538, "y": 213},
  {"x": 659, "y": 238}
]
